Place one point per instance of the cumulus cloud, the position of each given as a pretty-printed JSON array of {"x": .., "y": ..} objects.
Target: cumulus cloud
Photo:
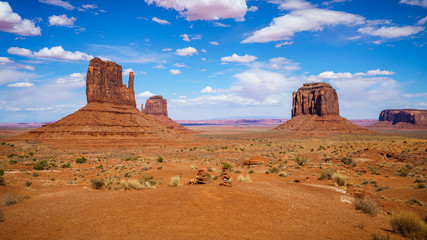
[
  {"x": 58, "y": 3},
  {"x": 302, "y": 17},
  {"x": 62, "y": 20},
  {"x": 127, "y": 71},
  {"x": 188, "y": 51},
  {"x": 180, "y": 65},
  {"x": 240, "y": 59},
  {"x": 185, "y": 37},
  {"x": 391, "y": 32},
  {"x": 160, "y": 66},
  {"x": 50, "y": 53},
  {"x": 160, "y": 21},
  {"x": 175, "y": 71},
  {"x": 8, "y": 75},
  {"x": 207, "y": 89},
  {"x": 375, "y": 73},
  {"x": 204, "y": 10},
  {"x": 13, "y": 23},
  {"x": 422, "y": 3},
  {"x": 347, "y": 75},
  {"x": 253, "y": 9},
  {"x": 214, "y": 43},
  {"x": 21, "y": 85},
  {"x": 4, "y": 61},
  {"x": 74, "y": 80},
  {"x": 145, "y": 94}
]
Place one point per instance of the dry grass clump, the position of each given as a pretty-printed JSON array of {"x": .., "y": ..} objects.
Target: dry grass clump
[
  {"x": 137, "y": 184},
  {"x": 12, "y": 198},
  {"x": 242, "y": 178},
  {"x": 339, "y": 179},
  {"x": 175, "y": 181},
  {"x": 367, "y": 205},
  {"x": 97, "y": 183},
  {"x": 326, "y": 174},
  {"x": 409, "y": 225}
]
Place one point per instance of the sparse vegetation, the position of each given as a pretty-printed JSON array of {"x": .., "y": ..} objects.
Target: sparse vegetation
[
  {"x": 348, "y": 161},
  {"x": 301, "y": 161},
  {"x": 2, "y": 181},
  {"x": 242, "y": 178},
  {"x": 409, "y": 225},
  {"x": 227, "y": 166},
  {"x": 66, "y": 165},
  {"x": 367, "y": 205},
  {"x": 377, "y": 236},
  {"x": 41, "y": 165},
  {"x": 175, "y": 181},
  {"x": 10, "y": 199},
  {"x": 160, "y": 159},
  {"x": 97, "y": 183},
  {"x": 339, "y": 179},
  {"x": 403, "y": 171},
  {"x": 81, "y": 160},
  {"x": 326, "y": 173}
]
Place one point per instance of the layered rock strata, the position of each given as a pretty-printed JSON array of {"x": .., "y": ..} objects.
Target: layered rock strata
[
  {"x": 315, "y": 108},
  {"x": 402, "y": 118}
]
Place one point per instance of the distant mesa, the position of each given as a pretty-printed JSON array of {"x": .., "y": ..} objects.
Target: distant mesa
[
  {"x": 110, "y": 117},
  {"x": 315, "y": 108},
  {"x": 157, "y": 107},
  {"x": 402, "y": 118}
]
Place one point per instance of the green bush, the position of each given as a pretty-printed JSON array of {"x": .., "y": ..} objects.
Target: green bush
[
  {"x": 1, "y": 172},
  {"x": 347, "y": 161},
  {"x": 81, "y": 160},
  {"x": 226, "y": 165},
  {"x": 301, "y": 162},
  {"x": 66, "y": 165},
  {"x": 160, "y": 159},
  {"x": 403, "y": 171},
  {"x": 40, "y": 165},
  {"x": 326, "y": 173}
]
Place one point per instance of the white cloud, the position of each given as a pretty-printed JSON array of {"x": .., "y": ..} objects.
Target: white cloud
[
  {"x": 375, "y": 73},
  {"x": 413, "y": 95},
  {"x": 203, "y": 59},
  {"x": 240, "y": 59},
  {"x": 61, "y": 20},
  {"x": 283, "y": 63},
  {"x": 203, "y": 70},
  {"x": 50, "y": 53},
  {"x": 13, "y": 23},
  {"x": 180, "y": 65},
  {"x": 214, "y": 43},
  {"x": 167, "y": 49},
  {"x": 391, "y": 32},
  {"x": 354, "y": 38},
  {"x": 145, "y": 94},
  {"x": 175, "y": 71},
  {"x": 302, "y": 17},
  {"x": 284, "y": 44},
  {"x": 8, "y": 75},
  {"x": 160, "y": 66},
  {"x": 218, "y": 24},
  {"x": 204, "y": 50},
  {"x": 160, "y": 21},
  {"x": 59, "y": 3},
  {"x": 4, "y": 61},
  {"x": 422, "y": 21},
  {"x": 21, "y": 85},
  {"x": 204, "y": 10},
  {"x": 422, "y": 3},
  {"x": 333, "y": 75},
  {"x": 188, "y": 51},
  {"x": 207, "y": 89},
  {"x": 90, "y": 6},
  {"x": 253, "y": 9},
  {"x": 74, "y": 80},
  {"x": 127, "y": 71},
  {"x": 185, "y": 37}
]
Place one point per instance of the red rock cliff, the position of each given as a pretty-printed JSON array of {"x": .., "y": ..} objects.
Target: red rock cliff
[
  {"x": 315, "y": 99},
  {"x": 413, "y": 116},
  {"x": 156, "y": 105},
  {"x": 104, "y": 84}
]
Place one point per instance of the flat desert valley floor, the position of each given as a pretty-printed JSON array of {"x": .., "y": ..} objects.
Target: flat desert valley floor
[{"x": 287, "y": 192}]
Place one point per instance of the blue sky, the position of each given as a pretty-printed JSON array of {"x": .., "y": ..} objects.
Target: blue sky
[{"x": 214, "y": 58}]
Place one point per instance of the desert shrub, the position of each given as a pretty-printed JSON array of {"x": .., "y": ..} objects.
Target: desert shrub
[
  {"x": 419, "y": 180},
  {"x": 81, "y": 160},
  {"x": 40, "y": 165},
  {"x": 28, "y": 183},
  {"x": 10, "y": 199},
  {"x": 408, "y": 224},
  {"x": 238, "y": 171},
  {"x": 274, "y": 170},
  {"x": 66, "y": 165},
  {"x": 283, "y": 174},
  {"x": 13, "y": 161},
  {"x": 36, "y": 174},
  {"x": 242, "y": 178},
  {"x": 326, "y": 173},
  {"x": 419, "y": 186},
  {"x": 175, "y": 181},
  {"x": 160, "y": 159},
  {"x": 128, "y": 175},
  {"x": 97, "y": 183},
  {"x": 301, "y": 161},
  {"x": 339, "y": 179},
  {"x": 228, "y": 166},
  {"x": 2, "y": 181},
  {"x": 347, "y": 161},
  {"x": 140, "y": 184},
  {"x": 251, "y": 171},
  {"x": 1, "y": 172},
  {"x": 403, "y": 171},
  {"x": 367, "y": 205}
]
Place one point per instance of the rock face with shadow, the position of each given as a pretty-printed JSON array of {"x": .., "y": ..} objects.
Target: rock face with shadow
[{"x": 401, "y": 119}]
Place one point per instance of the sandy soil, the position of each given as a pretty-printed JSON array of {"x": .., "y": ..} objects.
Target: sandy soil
[{"x": 60, "y": 203}]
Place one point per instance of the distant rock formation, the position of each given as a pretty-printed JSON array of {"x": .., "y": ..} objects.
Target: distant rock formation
[
  {"x": 315, "y": 108},
  {"x": 156, "y": 105},
  {"x": 110, "y": 119},
  {"x": 402, "y": 118},
  {"x": 315, "y": 99},
  {"x": 104, "y": 84}
]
